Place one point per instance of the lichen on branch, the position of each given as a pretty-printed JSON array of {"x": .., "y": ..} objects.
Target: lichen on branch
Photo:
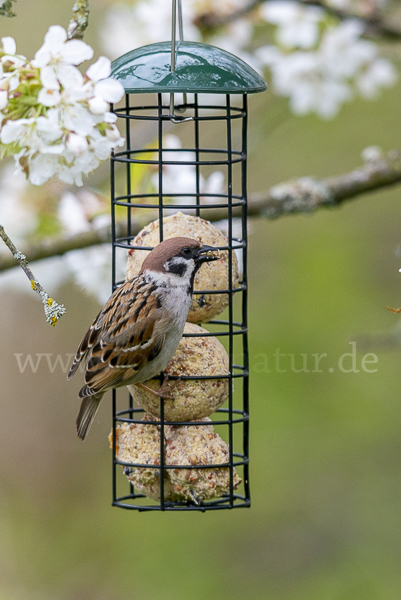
[
  {"x": 307, "y": 194},
  {"x": 79, "y": 21},
  {"x": 6, "y": 8},
  {"x": 53, "y": 310}
]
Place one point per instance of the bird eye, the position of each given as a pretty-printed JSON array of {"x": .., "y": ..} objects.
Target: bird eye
[{"x": 186, "y": 251}]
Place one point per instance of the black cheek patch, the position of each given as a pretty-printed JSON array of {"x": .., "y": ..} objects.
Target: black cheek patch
[{"x": 178, "y": 269}]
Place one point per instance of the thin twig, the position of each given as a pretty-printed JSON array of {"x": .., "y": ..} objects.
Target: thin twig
[
  {"x": 53, "y": 311},
  {"x": 79, "y": 21},
  {"x": 375, "y": 24},
  {"x": 306, "y": 194}
]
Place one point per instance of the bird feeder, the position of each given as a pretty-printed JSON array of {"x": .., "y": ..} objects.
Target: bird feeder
[{"x": 153, "y": 76}]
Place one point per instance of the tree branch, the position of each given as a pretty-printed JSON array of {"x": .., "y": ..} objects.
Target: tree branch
[
  {"x": 309, "y": 193},
  {"x": 375, "y": 24},
  {"x": 53, "y": 311},
  {"x": 306, "y": 194},
  {"x": 79, "y": 21},
  {"x": 57, "y": 247},
  {"x": 212, "y": 20}
]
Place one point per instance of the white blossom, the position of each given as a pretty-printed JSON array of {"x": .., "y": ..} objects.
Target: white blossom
[
  {"x": 42, "y": 168},
  {"x": 181, "y": 179},
  {"x": 97, "y": 106},
  {"x": 17, "y": 214},
  {"x": 91, "y": 269},
  {"x": 214, "y": 184},
  {"x": 343, "y": 52},
  {"x": 15, "y": 130},
  {"x": 77, "y": 144},
  {"x": 129, "y": 26},
  {"x": 372, "y": 153},
  {"x": 236, "y": 230},
  {"x": 69, "y": 130},
  {"x": 71, "y": 214},
  {"x": 318, "y": 63},
  {"x": 49, "y": 97},
  {"x": 57, "y": 51},
  {"x": 147, "y": 21},
  {"x": 3, "y": 99},
  {"x": 379, "y": 73},
  {"x": 298, "y": 26},
  {"x": 321, "y": 81},
  {"x": 9, "y": 45}
]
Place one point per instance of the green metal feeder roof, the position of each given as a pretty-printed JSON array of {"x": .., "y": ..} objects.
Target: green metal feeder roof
[{"x": 200, "y": 68}]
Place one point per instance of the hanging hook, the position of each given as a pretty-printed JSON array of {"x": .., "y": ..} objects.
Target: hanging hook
[{"x": 173, "y": 117}]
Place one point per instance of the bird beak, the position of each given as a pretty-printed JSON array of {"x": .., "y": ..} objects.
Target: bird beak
[{"x": 204, "y": 257}]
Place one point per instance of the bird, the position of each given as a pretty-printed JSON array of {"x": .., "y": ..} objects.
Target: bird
[{"x": 137, "y": 332}]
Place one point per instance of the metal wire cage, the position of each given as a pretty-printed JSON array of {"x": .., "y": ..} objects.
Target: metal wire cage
[{"x": 229, "y": 123}]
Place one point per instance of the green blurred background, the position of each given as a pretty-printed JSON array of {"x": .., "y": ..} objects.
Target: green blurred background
[{"x": 325, "y": 447}]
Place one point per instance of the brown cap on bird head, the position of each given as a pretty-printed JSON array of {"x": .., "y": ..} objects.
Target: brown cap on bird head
[{"x": 183, "y": 247}]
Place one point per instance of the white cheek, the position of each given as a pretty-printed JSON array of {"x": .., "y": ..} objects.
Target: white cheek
[
  {"x": 190, "y": 269},
  {"x": 170, "y": 280},
  {"x": 187, "y": 266}
]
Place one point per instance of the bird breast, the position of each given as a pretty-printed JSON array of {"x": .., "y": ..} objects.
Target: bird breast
[{"x": 176, "y": 302}]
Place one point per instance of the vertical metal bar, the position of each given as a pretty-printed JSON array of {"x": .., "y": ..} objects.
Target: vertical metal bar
[
  {"x": 173, "y": 40},
  {"x": 181, "y": 38},
  {"x": 114, "y": 457},
  {"x": 180, "y": 22},
  {"x": 129, "y": 228},
  {"x": 160, "y": 149},
  {"x": 230, "y": 295},
  {"x": 174, "y": 57},
  {"x": 128, "y": 144},
  {"x": 162, "y": 455},
  {"x": 113, "y": 218},
  {"x": 245, "y": 349},
  {"x": 173, "y": 33},
  {"x": 113, "y": 286},
  {"x": 197, "y": 167},
  {"x": 131, "y": 416}
]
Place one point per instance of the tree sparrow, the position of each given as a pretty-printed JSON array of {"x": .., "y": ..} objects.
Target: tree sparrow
[{"x": 137, "y": 332}]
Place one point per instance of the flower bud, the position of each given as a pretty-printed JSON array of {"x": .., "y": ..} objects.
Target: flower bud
[
  {"x": 97, "y": 106},
  {"x": 112, "y": 133},
  {"x": 3, "y": 99}
]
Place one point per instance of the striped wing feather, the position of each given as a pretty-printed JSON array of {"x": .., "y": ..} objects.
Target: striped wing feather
[{"x": 122, "y": 338}]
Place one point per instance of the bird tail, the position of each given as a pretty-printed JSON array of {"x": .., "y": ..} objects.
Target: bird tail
[{"x": 87, "y": 413}]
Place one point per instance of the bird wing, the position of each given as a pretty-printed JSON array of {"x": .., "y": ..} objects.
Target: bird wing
[
  {"x": 86, "y": 344},
  {"x": 123, "y": 337}
]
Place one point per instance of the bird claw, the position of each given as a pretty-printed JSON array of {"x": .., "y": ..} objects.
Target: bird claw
[
  {"x": 169, "y": 386},
  {"x": 195, "y": 498},
  {"x": 160, "y": 393}
]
